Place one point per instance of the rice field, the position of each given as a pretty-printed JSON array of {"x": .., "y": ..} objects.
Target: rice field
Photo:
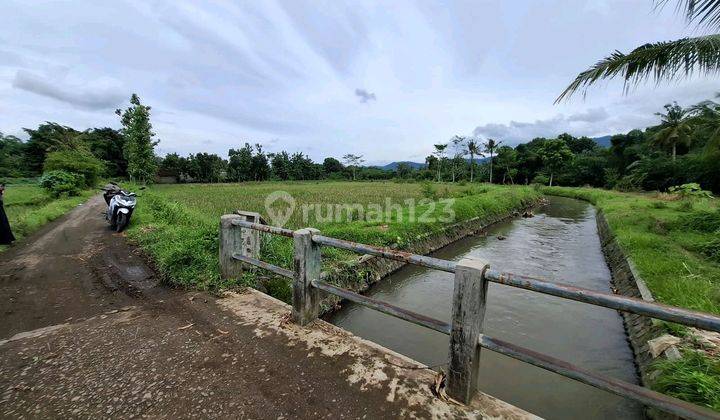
[{"x": 178, "y": 224}]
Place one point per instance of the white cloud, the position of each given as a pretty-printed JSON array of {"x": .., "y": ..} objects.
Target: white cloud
[
  {"x": 592, "y": 122},
  {"x": 101, "y": 93},
  {"x": 230, "y": 72}
]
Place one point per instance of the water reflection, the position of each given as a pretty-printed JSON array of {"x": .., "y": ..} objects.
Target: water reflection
[{"x": 560, "y": 243}]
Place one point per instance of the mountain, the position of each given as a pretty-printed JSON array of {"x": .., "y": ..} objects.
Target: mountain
[
  {"x": 392, "y": 166},
  {"x": 415, "y": 165},
  {"x": 603, "y": 141}
]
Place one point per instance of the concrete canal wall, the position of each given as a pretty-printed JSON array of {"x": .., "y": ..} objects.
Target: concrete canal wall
[
  {"x": 640, "y": 329},
  {"x": 362, "y": 273}
]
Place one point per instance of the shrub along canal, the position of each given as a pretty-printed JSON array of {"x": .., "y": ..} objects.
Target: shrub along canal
[{"x": 560, "y": 243}]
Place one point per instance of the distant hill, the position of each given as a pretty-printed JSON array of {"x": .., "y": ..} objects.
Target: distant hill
[
  {"x": 415, "y": 165},
  {"x": 603, "y": 141},
  {"x": 392, "y": 166}
]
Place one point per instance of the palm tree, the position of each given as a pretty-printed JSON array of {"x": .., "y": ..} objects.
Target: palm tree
[
  {"x": 661, "y": 61},
  {"x": 707, "y": 115},
  {"x": 490, "y": 146},
  {"x": 473, "y": 149},
  {"x": 675, "y": 128},
  {"x": 440, "y": 153}
]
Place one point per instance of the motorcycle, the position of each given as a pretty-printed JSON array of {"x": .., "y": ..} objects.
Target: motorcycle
[{"x": 121, "y": 205}]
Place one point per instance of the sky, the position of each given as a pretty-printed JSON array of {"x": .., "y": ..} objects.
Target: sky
[{"x": 385, "y": 79}]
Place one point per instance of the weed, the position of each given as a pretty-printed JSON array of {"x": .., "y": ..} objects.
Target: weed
[
  {"x": 429, "y": 191},
  {"x": 658, "y": 205},
  {"x": 701, "y": 221},
  {"x": 694, "y": 378}
]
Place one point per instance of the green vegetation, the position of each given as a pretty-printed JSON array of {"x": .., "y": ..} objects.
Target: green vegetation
[
  {"x": 667, "y": 240},
  {"x": 61, "y": 183},
  {"x": 28, "y": 207},
  {"x": 139, "y": 146},
  {"x": 178, "y": 224},
  {"x": 694, "y": 378},
  {"x": 674, "y": 244}
]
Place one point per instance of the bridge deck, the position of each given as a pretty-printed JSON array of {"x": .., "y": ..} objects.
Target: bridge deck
[{"x": 196, "y": 355}]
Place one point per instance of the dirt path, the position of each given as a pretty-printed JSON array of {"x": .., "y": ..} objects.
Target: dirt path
[
  {"x": 71, "y": 269},
  {"x": 85, "y": 332}
]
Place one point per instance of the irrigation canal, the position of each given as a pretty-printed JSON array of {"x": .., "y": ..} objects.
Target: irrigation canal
[{"x": 560, "y": 243}]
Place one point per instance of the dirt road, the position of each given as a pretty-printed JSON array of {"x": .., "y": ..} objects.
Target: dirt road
[
  {"x": 73, "y": 268},
  {"x": 86, "y": 332}
]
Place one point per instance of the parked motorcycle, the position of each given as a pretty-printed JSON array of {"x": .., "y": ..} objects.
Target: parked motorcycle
[{"x": 120, "y": 204}]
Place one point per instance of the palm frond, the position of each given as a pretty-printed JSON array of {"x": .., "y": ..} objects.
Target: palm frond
[
  {"x": 701, "y": 12},
  {"x": 661, "y": 61}
]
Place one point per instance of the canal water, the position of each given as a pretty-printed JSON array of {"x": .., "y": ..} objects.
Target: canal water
[{"x": 560, "y": 243}]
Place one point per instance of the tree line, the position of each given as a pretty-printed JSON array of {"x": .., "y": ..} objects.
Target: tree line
[{"x": 683, "y": 148}]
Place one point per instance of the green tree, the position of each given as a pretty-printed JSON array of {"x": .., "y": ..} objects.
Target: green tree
[
  {"x": 206, "y": 167},
  {"x": 108, "y": 145},
  {"x": 280, "y": 165},
  {"x": 459, "y": 151},
  {"x": 174, "y": 165},
  {"x": 240, "y": 164},
  {"x": 302, "y": 167},
  {"x": 352, "y": 162},
  {"x": 332, "y": 165},
  {"x": 259, "y": 165},
  {"x": 675, "y": 128},
  {"x": 555, "y": 154},
  {"x": 439, "y": 153},
  {"x": 578, "y": 145},
  {"x": 490, "y": 146},
  {"x": 473, "y": 149},
  {"x": 139, "y": 143},
  {"x": 403, "y": 170},
  {"x": 506, "y": 160},
  {"x": 661, "y": 61},
  {"x": 706, "y": 114},
  {"x": 80, "y": 162},
  {"x": 46, "y": 138},
  {"x": 12, "y": 150}
]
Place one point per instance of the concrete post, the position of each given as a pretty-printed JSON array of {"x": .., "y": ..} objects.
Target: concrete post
[
  {"x": 467, "y": 326},
  {"x": 306, "y": 298},
  {"x": 250, "y": 245},
  {"x": 230, "y": 242}
]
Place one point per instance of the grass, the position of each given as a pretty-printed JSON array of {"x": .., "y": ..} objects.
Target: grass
[
  {"x": 178, "y": 224},
  {"x": 694, "y": 378},
  {"x": 28, "y": 208},
  {"x": 670, "y": 243},
  {"x": 675, "y": 246}
]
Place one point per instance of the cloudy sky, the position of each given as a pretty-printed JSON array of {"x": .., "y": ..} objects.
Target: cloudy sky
[{"x": 384, "y": 79}]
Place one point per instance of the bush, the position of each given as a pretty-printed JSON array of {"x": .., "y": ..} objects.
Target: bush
[
  {"x": 429, "y": 191},
  {"x": 691, "y": 190},
  {"x": 59, "y": 183},
  {"x": 78, "y": 162},
  {"x": 541, "y": 179}
]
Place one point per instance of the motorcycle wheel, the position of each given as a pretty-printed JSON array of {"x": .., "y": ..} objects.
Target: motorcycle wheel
[{"x": 121, "y": 221}]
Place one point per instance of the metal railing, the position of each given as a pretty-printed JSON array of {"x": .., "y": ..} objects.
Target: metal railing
[{"x": 470, "y": 293}]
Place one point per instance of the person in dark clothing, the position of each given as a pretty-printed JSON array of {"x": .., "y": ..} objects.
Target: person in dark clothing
[{"x": 6, "y": 236}]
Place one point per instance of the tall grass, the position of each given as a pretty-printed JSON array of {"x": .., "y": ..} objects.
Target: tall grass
[
  {"x": 178, "y": 224},
  {"x": 694, "y": 378},
  {"x": 670, "y": 244},
  {"x": 674, "y": 245},
  {"x": 29, "y": 207}
]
